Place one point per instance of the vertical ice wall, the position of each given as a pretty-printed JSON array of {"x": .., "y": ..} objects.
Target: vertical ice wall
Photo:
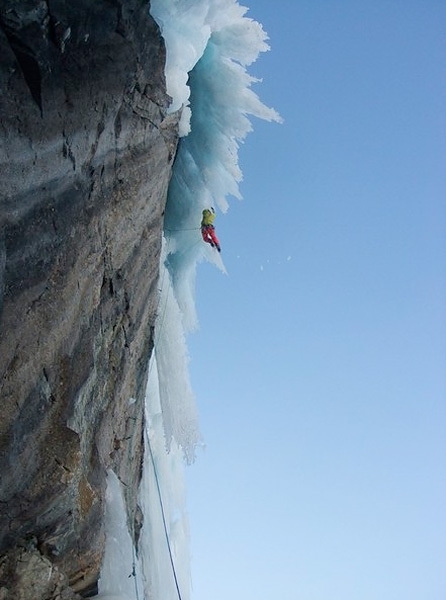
[
  {"x": 120, "y": 575},
  {"x": 210, "y": 44}
]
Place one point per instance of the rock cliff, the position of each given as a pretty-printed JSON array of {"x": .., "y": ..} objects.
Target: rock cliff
[{"x": 86, "y": 150}]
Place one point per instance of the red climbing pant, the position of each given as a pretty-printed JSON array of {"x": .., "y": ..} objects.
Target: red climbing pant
[{"x": 208, "y": 233}]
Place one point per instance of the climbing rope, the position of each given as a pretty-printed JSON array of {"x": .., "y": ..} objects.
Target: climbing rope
[
  {"x": 163, "y": 515},
  {"x": 162, "y": 314},
  {"x": 184, "y": 229}
]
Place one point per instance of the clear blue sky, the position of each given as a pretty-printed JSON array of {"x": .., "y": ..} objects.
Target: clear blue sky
[{"x": 319, "y": 368}]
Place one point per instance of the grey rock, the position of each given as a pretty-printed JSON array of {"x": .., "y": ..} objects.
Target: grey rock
[{"x": 86, "y": 151}]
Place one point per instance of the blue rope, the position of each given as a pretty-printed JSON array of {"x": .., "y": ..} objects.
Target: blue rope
[{"x": 164, "y": 520}]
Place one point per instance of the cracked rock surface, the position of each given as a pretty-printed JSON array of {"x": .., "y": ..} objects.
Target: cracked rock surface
[{"x": 86, "y": 151}]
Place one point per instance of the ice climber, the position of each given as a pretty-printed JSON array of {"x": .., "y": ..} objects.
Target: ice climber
[{"x": 208, "y": 229}]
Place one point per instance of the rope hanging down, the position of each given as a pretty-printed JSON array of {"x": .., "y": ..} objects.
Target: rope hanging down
[{"x": 163, "y": 515}]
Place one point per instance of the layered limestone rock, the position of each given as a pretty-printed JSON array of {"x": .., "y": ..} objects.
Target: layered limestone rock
[{"x": 86, "y": 150}]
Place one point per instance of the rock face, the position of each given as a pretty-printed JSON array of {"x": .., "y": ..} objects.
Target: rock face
[{"x": 86, "y": 150}]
